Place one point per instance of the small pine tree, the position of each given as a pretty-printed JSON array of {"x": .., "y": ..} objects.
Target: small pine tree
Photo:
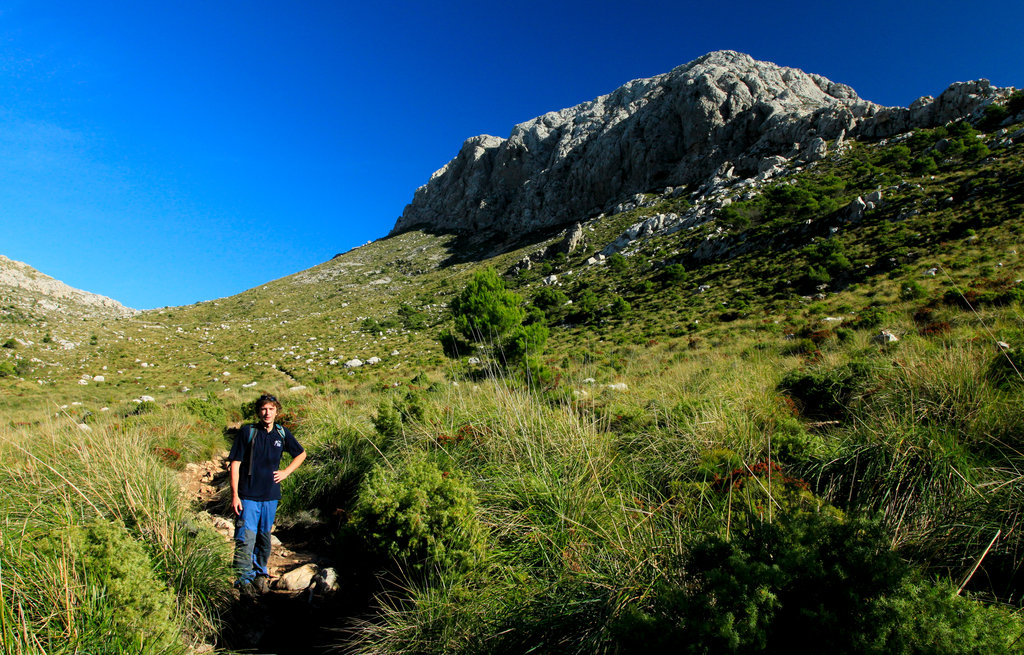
[{"x": 485, "y": 310}]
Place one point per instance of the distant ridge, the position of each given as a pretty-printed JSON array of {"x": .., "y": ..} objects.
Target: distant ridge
[
  {"x": 25, "y": 288},
  {"x": 724, "y": 110}
]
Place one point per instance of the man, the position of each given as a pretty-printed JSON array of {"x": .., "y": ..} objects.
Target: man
[{"x": 256, "y": 488}]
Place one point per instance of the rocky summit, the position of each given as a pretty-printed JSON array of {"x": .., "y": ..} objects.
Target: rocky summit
[
  {"x": 28, "y": 292},
  {"x": 722, "y": 114}
]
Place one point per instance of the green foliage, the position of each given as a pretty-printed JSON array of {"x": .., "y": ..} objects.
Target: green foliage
[
  {"x": 792, "y": 443},
  {"x": 1015, "y": 103},
  {"x": 870, "y": 317},
  {"x": 616, "y": 262},
  {"x": 452, "y": 345},
  {"x": 523, "y": 341},
  {"x": 141, "y": 408},
  {"x": 1006, "y": 369},
  {"x": 586, "y": 306},
  {"x": 911, "y": 290},
  {"x": 619, "y": 307},
  {"x": 411, "y": 318},
  {"x": 548, "y": 298},
  {"x": 7, "y": 369},
  {"x": 825, "y": 393},
  {"x": 485, "y": 311},
  {"x": 388, "y": 421},
  {"x": 209, "y": 409},
  {"x": 674, "y": 274},
  {"x": 420, "y": 516},
  {"x": 808, "y": 198},
  {"x": 807, "y": 583},
  {"x": 113, "y": 561},
  {"x": 10, "y": 344}
]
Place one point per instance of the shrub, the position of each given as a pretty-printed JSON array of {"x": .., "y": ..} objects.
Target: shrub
[
  {"x": 412, "y": 318},
  {"x": 619, "y": 307},
  {"x": 524, "y": 340},
  {"x": 420, "y": 516},
  {"x": 870, "y": 317},
  {"x": 674, "y": 274},
  {"x": 108, "y": 559},
  {"x": 138, "y": 409},
  {"x": 825, "y": 393},
  {"x": 452, "y": 345},
  {"x": 1006, "y": 369},
  {"x": 792, "y": 443},
  {"x": 549, "y": 298},
  {"x": 209, "y": 410},
  {"x": 616, "y": 262},
  {"x": 485, "y": 310},
  {"x": 388, "y": 421},
  {"x": 807, "y": 583},
  {"x": 911, "y": 290}
]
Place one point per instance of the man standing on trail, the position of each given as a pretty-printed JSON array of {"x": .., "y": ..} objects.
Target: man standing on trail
[{"x": 256, "y": 488}]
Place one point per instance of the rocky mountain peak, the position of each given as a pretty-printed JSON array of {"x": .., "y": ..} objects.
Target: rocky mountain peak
[
  {"x": 27, "y": 289},
  {"x": 724, "y": 109}
]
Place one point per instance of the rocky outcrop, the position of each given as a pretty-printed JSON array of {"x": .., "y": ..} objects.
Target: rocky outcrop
[
  {"x": 722, "y": 116},
  {"x": 36, "y": 291}
]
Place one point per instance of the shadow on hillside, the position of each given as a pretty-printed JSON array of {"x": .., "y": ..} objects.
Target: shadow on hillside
[{"x": 466, "y": 247}]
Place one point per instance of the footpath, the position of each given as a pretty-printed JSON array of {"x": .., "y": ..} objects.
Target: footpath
[{"x": 299, "y": 613}]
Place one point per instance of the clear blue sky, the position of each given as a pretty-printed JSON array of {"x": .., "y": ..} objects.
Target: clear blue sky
[{"x": 163, "y": 153}]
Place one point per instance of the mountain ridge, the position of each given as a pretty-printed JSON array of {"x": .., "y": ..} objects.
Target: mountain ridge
[
  {"x": 28, "y": 289},
  {"x": 672, "y": 130}
]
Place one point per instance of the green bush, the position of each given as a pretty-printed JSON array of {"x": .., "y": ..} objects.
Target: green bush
[
  {"x": 523, "y": 341},
  {"x": 911, "y": 290},
  {"x": 110, "y": 559},
  {"x": 619, "y": 307},
  {"x": 485, "y": 310},
  {"x": 548, "y": 298},
  {"x": 674, "y": 274},
  {"x": 825, "y": 393},
  {"x": 419, "y": 516},
  {"x": 870, "y": 317},
  {"x": 388, "y": 421},
  {"x": 792, "y": 443},
  {"x": 411, "y": 318},
  {"x": 1006, "y": 369},
  {"x": 210, "y": 410},
  {"x": 807, "y": 583}
]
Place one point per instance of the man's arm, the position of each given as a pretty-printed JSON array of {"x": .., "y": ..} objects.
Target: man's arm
[
  {"x": 236, "y": 502},
  {"x": 285, "y": 472}
]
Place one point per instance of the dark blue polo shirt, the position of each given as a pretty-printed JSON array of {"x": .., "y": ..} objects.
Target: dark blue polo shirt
[{"x": 262, "y": 457}]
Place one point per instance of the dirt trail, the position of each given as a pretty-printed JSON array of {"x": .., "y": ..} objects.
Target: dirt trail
[{"x": 297, "y": 615}]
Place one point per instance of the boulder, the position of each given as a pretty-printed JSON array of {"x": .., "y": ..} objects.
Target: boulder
[
  {"x": 297, "y": 579},
  {"x": 885, "y": 337}
]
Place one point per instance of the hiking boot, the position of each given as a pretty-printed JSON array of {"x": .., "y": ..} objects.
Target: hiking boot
[
  {"x": 262, "y": 584},
  {"x": 247, "y": 590}
]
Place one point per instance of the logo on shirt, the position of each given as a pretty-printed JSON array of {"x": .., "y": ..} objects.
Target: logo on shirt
[{"x": 277, "y": 444}]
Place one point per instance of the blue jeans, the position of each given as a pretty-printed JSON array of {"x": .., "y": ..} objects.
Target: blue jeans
[{"x": 252, "y": 539}]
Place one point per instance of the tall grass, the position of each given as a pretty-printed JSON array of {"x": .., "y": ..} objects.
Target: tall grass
[
  {"x": 60, "y": 481},
  {"x": 593, "y": 499}
]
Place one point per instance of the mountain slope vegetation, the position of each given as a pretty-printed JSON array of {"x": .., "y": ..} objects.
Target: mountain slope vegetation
[{"x": 793, "y": 423}]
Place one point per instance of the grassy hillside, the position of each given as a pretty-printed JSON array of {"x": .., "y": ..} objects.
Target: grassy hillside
[{"x": 713, "y": 446}]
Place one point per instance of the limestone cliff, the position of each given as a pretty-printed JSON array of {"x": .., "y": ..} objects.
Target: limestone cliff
[
  {"x": 24, "y": 288},
  {"x": 676, "y": 129}
]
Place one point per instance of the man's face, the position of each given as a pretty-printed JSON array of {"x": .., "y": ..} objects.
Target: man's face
[{"x": 267, "y": 413}]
